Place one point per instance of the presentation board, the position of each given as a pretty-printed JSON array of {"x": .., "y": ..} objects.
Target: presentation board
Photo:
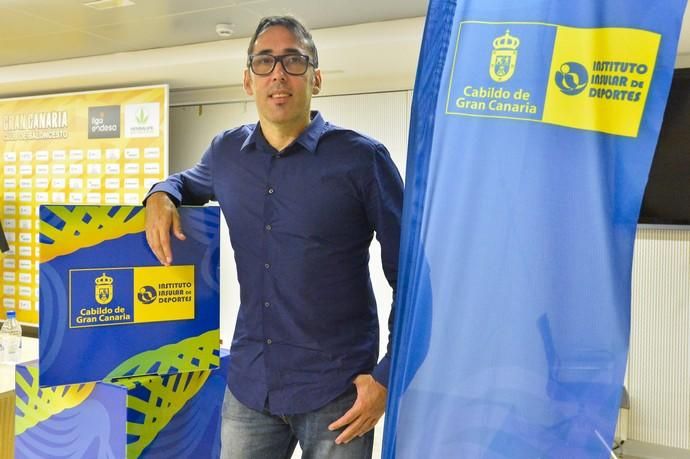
[{"x": 101, "y": 147}]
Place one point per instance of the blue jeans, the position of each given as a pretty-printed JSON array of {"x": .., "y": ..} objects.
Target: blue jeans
[{"x": 250, "y": 434}]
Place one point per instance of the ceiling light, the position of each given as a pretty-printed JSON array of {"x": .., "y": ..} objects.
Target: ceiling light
[{"x": 108, "y": 4}]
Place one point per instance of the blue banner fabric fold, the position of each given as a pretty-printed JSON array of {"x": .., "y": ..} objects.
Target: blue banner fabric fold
[{"x": 533, "y": 128}]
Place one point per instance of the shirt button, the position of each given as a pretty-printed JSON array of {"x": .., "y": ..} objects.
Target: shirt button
[
  {"x": 271, "y": 191},
  {"x": 267, "y": 266},
  {"x": 269, "y": 341},
  {"x": 268, "y": 227},
  {"x": 267, "y": 304}
]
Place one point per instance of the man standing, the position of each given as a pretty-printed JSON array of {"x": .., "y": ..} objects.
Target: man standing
[{"x": 303, "y": 199}]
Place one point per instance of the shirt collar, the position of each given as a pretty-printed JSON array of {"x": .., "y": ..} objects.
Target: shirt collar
[{"x": 309, "y": 138}]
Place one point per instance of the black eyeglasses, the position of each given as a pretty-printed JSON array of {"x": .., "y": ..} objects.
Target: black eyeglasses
[{"x": 293, "y": 64}]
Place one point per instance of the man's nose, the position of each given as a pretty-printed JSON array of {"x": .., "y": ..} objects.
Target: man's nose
[{"x": 279, "y": 72}]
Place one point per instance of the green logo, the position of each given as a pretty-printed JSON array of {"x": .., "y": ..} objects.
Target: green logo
[{"x": 142, "y": 117}]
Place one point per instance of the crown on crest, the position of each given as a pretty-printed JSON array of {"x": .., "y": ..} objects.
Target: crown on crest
[
  {"x": 104, "y": 280},
  {"x": 506, "y": 41}
]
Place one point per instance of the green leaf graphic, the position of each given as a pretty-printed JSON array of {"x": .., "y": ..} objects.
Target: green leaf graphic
[
  {"x": 151, "y": 409},
  {"x": 40, "y": 404},
  {"x": 195, "y": 353},
  {"x": 142, "y": 116}
]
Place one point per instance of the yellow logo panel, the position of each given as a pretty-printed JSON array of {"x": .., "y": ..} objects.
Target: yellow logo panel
[
  {"x": 612, "y": 68},
  {"x": 163, "y": 293}
]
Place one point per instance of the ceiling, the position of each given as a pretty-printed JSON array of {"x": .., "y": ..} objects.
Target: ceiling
[
  {"x": 46, "y": 30},
  {"x": 62, "y": 45}
]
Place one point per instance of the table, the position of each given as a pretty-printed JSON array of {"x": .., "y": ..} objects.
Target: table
[{"x": 29, "y": 351}]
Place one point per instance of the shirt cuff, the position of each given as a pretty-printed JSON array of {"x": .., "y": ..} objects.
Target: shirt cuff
[
  {"x": 165, "y": 188},
  {"x": 381, "y": 371}
]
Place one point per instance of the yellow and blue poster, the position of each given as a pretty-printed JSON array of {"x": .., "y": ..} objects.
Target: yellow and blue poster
[
  {"x": 85, "y": 148},
  {"x": 109, "y": 309},
  {"x": 532, "y": 132},
  {"x": 176, "y": 415}
]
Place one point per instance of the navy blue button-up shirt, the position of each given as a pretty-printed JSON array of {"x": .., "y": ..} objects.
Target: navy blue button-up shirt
[{"x": 301, "y": 221}]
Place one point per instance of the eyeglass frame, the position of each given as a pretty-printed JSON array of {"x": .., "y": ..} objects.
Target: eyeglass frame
[{"x": 279, "y": 58}]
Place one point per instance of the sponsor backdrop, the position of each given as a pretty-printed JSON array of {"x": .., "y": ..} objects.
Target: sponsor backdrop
[
  {"x": 105, "y": 147},
  {"x": 170, "y": 416},
  {"x": 104, "y": 292},
  {"x": 532, "y": 132}
]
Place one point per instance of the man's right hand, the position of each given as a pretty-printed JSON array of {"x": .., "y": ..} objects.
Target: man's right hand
[{"x": 161, "y": 216}]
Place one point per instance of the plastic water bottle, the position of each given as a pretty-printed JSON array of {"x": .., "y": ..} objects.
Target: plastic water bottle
[{"x": 11, "y": 337}]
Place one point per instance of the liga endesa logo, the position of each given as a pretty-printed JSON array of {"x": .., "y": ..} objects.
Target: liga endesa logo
[{"x": 104, "y": 122}]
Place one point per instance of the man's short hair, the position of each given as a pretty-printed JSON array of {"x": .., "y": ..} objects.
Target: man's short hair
[{"x": 293, "y": 25}]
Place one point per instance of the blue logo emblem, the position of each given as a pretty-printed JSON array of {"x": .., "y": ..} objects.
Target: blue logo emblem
[
  {"x": 147, "y": 294},
  {"x": 571, "y": 78}
]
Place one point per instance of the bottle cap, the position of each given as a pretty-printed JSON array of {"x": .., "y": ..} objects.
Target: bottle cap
[{"x": 11, "y": 314}]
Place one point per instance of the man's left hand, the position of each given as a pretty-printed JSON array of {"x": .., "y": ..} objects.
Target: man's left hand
[{"x": 366, "y": 411}]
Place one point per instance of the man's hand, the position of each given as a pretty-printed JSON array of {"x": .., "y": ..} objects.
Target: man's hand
[
  {"x": 366, "y": 411},
  {"x": 161, "y": 215}
]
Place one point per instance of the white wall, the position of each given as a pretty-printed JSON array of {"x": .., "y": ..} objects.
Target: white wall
[
  {"x": 384, "y": 116},
  {"x": 658, "y": 378}
]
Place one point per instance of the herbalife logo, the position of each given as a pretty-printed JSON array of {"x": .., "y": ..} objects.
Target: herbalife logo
[
  {"x": 142, "y": 120},
  {"x": 142, "y": 117}
]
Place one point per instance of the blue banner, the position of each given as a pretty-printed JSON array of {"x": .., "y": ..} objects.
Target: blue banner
[{"x": 533, "y": 128}]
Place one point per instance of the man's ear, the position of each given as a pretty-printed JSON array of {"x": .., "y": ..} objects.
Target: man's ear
[
  {"x": 316, "y": 87},
  {"x": 247, "y": 83}
]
